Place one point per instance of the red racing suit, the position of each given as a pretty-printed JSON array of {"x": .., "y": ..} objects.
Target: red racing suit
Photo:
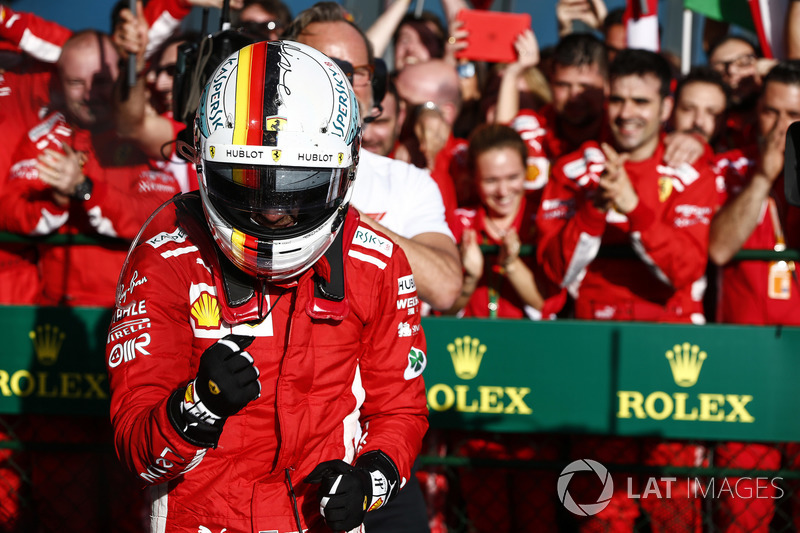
[
  {"x": 127, "y": 188},
  {"x": 664, "y": 280},
  {"x": 745, "y": 296},
  {"x": 333, "y": 385}
]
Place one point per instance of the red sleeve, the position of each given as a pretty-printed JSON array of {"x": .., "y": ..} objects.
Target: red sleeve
[
  {"x": 450, "y": 168},
  {"x": 32, "y": 34},
  {"x": 120, "y": 203},
  {"x": 394, "y": 412},
  {"x": 141, "y": 384},
  {"x": 119, "y": 208},
  {"x": 568, "y": 227},
  {"x": 731, "y": 170},
  {"x": 463, "y": 219},
  {"x": 164, "y": 18},
  {"x": 675, "y": 245},
  {"x": 154, "y": 9},
  {"x": 532, "y": 127},
  {"x": 27, "y": 206}
]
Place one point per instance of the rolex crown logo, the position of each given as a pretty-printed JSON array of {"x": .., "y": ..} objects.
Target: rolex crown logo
[
  {"x": 47, "y": 341},
  {"x": 467, "y": 354},
  {"x": 685, "y": 360}
]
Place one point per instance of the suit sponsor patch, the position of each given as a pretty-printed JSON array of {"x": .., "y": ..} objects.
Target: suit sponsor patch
[
  {"x": 416, "y": 364},
  {"x": 406, "y": 285},
  {"x": 176, "y": 236},
  {"x": 370, "y": 239},
  {"x": 206, "y": 320}
]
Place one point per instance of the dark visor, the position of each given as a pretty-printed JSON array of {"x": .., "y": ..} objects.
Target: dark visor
[{"x": 242, "y": 192}]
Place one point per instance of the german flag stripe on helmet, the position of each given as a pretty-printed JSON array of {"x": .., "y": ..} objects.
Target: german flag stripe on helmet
[
  {"x": 246, "y": 244},
  {"x": 249, "y": 247},
  {"x": 250, "y": 90},
  {"x": 241, "y": 122}
]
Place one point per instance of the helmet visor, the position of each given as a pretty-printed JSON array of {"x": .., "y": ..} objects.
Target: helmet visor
[{"x": 272, "y": 201}]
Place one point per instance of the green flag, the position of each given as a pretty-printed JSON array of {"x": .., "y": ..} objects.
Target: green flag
[{"x": 733, "y": 11}]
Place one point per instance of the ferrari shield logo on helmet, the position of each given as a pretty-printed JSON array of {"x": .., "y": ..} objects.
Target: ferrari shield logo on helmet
[
  {"x": 211, "y": 151},
  {"x": 341, "y": 157},
  {"x": 275, "y": 123},
  {"x": 276, "y": 155}
]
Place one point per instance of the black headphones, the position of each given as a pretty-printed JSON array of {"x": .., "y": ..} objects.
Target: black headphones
[{"x": 380, "y": 77}]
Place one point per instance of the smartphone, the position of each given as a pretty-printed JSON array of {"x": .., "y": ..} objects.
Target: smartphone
[{"x": 491, "y": 34}]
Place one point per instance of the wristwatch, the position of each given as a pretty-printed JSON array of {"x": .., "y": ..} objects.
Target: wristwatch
[{"x": 83, "y": 191}]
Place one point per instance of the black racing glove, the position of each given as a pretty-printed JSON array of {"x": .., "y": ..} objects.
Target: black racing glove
[
  {"x": 227, "y": 380},
  {"x": 347, "y": 492}
]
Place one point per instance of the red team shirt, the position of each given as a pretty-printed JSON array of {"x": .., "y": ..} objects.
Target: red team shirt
[
  {"x": 667, "y": 231},
  {"x": 749, "y": 294},
  {"x": 493, "y": 286},
  {"x": 127, "y": 188}
]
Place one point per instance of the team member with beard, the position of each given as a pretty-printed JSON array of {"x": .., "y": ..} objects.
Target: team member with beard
[
  {"x": 625, "y": 194},
  {"x": 701, "y": 103},
  {"x": 756, "y": 215}
]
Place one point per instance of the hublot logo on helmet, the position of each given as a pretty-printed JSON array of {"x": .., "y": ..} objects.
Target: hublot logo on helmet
[
  {"x": 244, "y": 153},
  {"x": 324, "y": 158}
]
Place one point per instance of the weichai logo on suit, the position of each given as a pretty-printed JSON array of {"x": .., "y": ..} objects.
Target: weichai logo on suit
[
  {"x": 467, "y": 353},
  {"x": 685, "y": 361}
]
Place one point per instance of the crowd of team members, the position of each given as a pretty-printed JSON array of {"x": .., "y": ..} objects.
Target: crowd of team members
[
  {"x": 583, "y": 156},
  {"x": 625, "y": 177}
]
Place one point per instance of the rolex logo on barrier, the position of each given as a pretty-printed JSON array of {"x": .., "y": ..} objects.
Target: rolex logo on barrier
[
  {"x": 466, "y": 353},
  {"x": 686, "y": 360},
  {"x": 55, "y": 383},
  {"x": 47, "y": 341}
]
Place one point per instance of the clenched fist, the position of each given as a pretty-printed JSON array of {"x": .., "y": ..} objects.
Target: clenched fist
[{"x": 227, "y": 380}]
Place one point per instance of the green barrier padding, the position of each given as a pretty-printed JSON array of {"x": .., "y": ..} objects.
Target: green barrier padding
[{"x": 670, "y": 381}]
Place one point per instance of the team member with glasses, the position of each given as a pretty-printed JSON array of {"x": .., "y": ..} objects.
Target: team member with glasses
[
  {"x": 398, "y": 199},
  {"x": 267, "y": 19},
  {"x": 742, "y": 70}
]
